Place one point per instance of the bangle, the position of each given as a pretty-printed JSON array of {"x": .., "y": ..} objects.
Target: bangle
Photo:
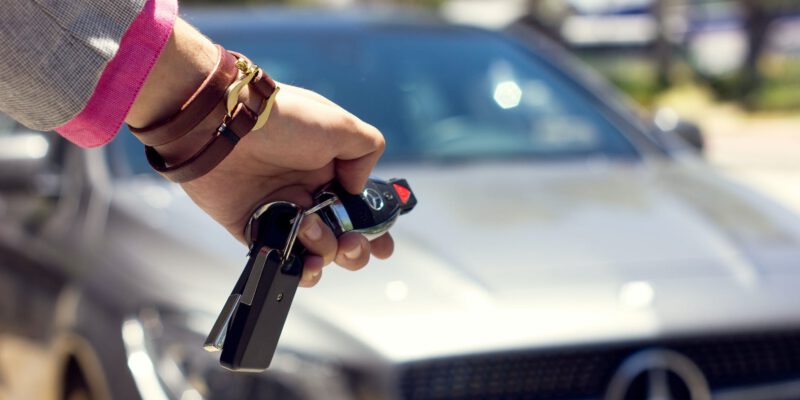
[
  {"x": 200, "y": 104},
  {"x": 235, "y": 121}
]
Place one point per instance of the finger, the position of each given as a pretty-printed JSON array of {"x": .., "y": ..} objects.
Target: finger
[
  {"x": 312, "y": 270},
  {"x": 353, "y": 251},
  {"x": 318, "y": 238},
  {"x": 320, "y": 134},
  {"x": 353, "y": 172},
  {"x": 382, "y": 247}
]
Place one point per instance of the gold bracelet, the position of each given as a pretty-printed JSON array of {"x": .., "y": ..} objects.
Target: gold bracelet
[{"x": 249, "y": 71}]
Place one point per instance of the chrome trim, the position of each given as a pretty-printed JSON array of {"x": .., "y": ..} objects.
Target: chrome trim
[
  {"x": 296, "y": 221},
  {"x": 378, "y": 230},
  {"x": 373, "y": 198},
  {"x": 320, "y": 206},
  {"x": 342, "y": 218},
  {"x": 216, "y": 338},
  {"x": 140, "y": 364},
  {"x": 656, "y": 364},
  {"x": 248, "y": 230},
  {"x": 249, "y": 292},
  {"x": 774, "y": 391}
]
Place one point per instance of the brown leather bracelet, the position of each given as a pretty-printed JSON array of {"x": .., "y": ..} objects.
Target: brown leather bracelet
[
  {"x": 225, "y": 139},
  {"x": 178, "y": 150},
  {"x": 222, "y": 140},
  {"x": 210, "y": 93}
]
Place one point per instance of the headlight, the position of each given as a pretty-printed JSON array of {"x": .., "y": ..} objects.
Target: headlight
[{"x": 167, "y": 362}]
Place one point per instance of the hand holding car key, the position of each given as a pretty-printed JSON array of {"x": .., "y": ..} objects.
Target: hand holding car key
[{"x": 249, "y": 326}]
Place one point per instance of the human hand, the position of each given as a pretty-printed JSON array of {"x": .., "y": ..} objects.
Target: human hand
[{"x": 307, "y": 142}]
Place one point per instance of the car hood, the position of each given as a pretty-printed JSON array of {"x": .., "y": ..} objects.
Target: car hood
[{"x": 501, "y": 256}]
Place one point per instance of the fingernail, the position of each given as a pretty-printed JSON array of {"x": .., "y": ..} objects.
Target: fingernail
[
  {"x": 310, "y": 276},
  {"x": 354, "y": 253},
  {"x": 314, "y": 232}
]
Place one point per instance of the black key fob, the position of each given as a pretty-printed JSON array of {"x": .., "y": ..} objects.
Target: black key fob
[
  {"x": 250, "y": 324},
  {"x": 372, "y": 212}
]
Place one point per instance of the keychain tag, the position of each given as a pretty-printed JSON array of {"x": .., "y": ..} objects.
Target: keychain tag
[
  {"x": 256, "y": 327},
  {"x": 249, "y": 326}
]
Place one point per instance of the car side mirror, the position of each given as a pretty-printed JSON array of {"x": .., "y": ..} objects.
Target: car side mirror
[
  {"x": 670, "y": 124},
  {"x": 24, "y": 159}
]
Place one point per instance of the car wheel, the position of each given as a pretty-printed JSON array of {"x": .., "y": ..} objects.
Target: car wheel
[{"x": 75, "y": 385}]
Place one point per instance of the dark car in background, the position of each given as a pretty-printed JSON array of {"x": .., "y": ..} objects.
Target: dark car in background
[{"x": 562, "y": 249}]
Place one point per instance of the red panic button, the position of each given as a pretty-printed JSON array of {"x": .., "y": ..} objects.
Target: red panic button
[{"x": 402, "y": 192}]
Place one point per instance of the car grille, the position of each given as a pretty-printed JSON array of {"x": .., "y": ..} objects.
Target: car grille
[{"x": 726, "y": 361}]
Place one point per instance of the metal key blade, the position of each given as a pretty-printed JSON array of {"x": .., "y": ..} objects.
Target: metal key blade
[
  {"x": 246, "y": 284},
  {"x": 320, "y": 206},
  {"x": 216, "y": 337},
  {"x": 316, "y": 208}
]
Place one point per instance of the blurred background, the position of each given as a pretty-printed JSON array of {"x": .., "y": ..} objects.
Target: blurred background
[
  {"x": 564, "y": 232},
  {"x": 732, "y": 67}
]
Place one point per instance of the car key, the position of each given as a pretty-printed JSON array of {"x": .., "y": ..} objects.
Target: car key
[
  {"x": 371, "y": 213},
  {"x": 249, "y": 326}
]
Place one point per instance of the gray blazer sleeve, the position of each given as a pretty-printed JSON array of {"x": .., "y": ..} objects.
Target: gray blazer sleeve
[{"x": 52, "y": 53}]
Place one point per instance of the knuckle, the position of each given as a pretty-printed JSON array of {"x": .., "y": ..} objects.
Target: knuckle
[
  {"x": 348, "y": 123},
  {"x": 375, "y": 135},
  {"x": 380, "y": 142}
]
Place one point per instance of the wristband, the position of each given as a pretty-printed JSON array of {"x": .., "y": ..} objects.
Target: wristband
[
  {"x": 222, "y": 109},
  {"x": 196, "y": 108}
]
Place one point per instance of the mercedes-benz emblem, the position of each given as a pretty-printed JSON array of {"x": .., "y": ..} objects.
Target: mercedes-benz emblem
[
  {"x": 658, "y": 374},
  {"x": 373, "y": 198}
]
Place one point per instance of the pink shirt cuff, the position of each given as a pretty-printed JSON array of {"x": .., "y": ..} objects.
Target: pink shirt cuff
[{"x": 123, "y": 77}]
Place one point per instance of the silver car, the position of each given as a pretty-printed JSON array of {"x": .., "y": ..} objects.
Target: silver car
[{"x": 562, "y": 248}]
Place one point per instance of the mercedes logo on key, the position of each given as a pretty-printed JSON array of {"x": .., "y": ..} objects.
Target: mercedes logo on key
[
  {"x": 373, "y": 198},
  {"x": 658, "y": 374}
]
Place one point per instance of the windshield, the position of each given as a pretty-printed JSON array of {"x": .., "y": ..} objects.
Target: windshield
[{"x": 441, "y": 94}]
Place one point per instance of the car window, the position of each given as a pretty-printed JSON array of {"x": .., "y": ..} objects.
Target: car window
[
  {"x": 128, "y": 155},
  {"x": 443, "y": 93},
  {"x": 436, "y": 94}
]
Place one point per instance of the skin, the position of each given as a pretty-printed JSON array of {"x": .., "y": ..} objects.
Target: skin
[{"x": 307, "y": 142}]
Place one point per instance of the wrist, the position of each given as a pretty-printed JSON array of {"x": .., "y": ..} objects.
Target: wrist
[
  {"x": 187, "y": 58},
  {"x": 182, "y": 147}
]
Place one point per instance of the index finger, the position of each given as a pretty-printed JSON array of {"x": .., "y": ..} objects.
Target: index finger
[{"x": 358, "y": 156}]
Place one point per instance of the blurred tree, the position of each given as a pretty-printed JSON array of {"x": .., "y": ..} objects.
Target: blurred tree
[
  {"x": 662, "y": 47},
  {"x": 759, "y": 14},
  {"x": 547, "y": 16},
  {"x": 425, "y": 3}
]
